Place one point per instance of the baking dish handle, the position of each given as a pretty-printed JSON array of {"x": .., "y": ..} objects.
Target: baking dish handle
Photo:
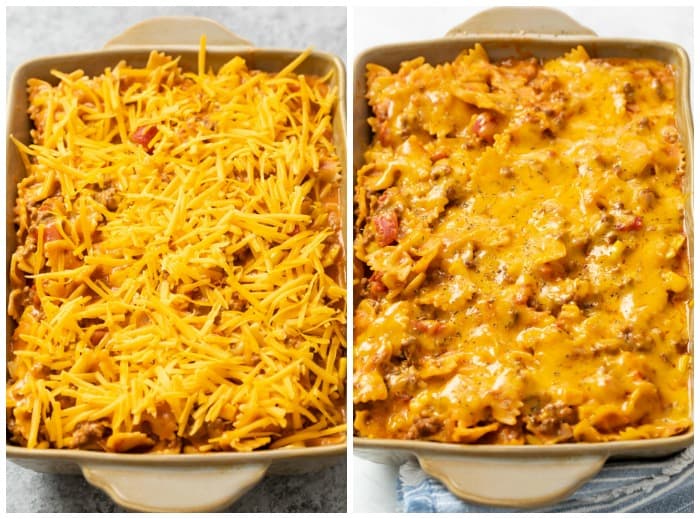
[
  {"x": 176, "y": 30},
  {"x": 177, "y": 489},
  {"x": 520, "y": 20},
  {"x": 512, "y": 482}
]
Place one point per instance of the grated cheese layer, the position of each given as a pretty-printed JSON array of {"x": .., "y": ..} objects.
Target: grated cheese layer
[
  {"x": 179, "y": 281},
  {"x": 522, "y": 261}
]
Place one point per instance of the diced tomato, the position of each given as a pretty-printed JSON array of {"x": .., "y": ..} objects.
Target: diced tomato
[
  {"x": 376, "y": 287},
  {"x": 143, "y": 136},
  {"x": 633, "y": 225},
  {"x": 484, "y": 126},
  {"x": 51, "y": 233},
  {"x": 429, "y": 326},
  {"x": 387, "y": 228}
]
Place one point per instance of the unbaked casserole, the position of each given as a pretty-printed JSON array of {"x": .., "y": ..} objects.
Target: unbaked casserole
[
  {"x": 178, "y": 284},
  {"x": 521, "y": 257}
]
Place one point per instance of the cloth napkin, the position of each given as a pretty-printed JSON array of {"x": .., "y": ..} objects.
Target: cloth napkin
[{"x": 661, "y": 485}]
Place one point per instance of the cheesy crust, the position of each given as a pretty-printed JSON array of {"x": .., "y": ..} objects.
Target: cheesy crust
[
  {"x": 178, "y": 284},
  {"x": 521, "y": 259}
]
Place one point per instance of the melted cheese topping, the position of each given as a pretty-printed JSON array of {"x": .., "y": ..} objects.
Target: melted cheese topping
[
  {"x": 178, "y": 284},
  {"x": 521, "y": 258}
]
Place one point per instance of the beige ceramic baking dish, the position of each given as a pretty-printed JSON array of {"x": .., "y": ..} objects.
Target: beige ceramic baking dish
[
  {"x": 520, "y": 476},
  {"x": 154, "y": 482}
]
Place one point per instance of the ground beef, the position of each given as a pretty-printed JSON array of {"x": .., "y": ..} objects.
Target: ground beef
[
  {"x": 554, "y": 420},
  {"x": 89, "y": 435},
  {"x": 424, "y": 427}
]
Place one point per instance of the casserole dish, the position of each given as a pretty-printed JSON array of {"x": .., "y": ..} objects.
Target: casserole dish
[
  {"x": 198, "y": 482},
  {"x": 503, "y": 475}
]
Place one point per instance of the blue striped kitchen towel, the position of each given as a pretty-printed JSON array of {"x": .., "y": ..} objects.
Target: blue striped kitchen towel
[{"x": 664, "y": 485}]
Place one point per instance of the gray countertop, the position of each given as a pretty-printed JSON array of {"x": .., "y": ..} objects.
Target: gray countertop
[
  {"x": 323, "y": 491},
  {"x": 33, "y": 32}
]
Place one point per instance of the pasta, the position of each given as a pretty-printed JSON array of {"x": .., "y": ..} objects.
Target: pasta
[
  {"x": 178, "y": 286},
  {"x": 521, "y": 260}
]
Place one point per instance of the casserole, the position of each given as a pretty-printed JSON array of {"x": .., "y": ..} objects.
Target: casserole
[
  {"x": 134, "y": 47},
  {"x": 499, "y": 46}
]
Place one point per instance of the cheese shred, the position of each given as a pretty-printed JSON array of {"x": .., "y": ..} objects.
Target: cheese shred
[{"x": 178, "y": 286}]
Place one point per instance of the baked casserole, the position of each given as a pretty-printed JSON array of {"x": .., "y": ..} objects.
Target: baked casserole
[
  {"x": 178, "y": 284},
  {"x": 521, "y": 263}
]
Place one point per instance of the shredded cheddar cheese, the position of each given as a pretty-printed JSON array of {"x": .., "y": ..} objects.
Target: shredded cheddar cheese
[
  {"x": 179, "y": 281},
  {"x": 521, "y": 256}
]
